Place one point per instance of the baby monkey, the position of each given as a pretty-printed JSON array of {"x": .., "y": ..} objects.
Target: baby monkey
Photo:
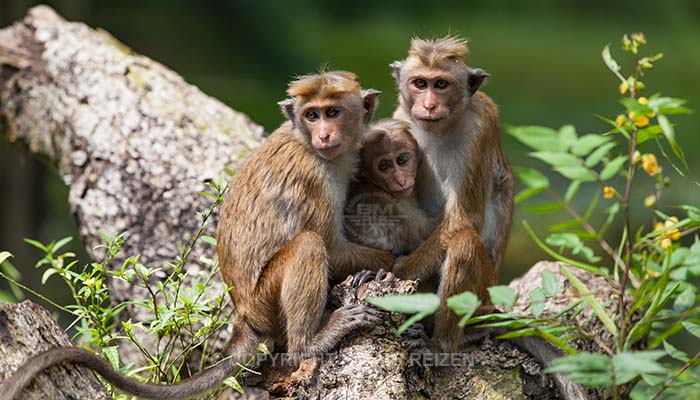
[{"x": 382, "y": 210}]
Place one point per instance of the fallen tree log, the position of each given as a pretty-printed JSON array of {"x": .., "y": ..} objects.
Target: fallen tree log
[{"x": 135, "y": 144}]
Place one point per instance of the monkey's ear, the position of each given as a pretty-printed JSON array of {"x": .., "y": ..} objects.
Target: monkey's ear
[
  {"x": 370, "y": 100},
  {"x": 396, "y": 68},
  {"x": 476, "y": 78},
  {"x": 287, "y": 107}
]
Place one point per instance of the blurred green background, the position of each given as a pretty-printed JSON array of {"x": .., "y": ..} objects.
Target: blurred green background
[{"x": 544, "y": 57}]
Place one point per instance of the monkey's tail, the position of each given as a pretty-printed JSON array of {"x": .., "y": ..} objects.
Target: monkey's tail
[{"x": 242, "y": 347}]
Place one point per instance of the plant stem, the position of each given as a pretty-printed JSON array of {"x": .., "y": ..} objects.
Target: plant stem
[{"x": 679, "y": 373}]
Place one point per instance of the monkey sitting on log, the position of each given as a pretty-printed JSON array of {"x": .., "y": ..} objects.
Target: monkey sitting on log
[
  {"x": 467, "y": 183},
  {"x": 280, "y": 240}
]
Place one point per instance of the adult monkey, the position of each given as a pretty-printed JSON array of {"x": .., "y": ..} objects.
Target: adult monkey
[
  {"x": 280, "y": 239},
  {"x": 468, "y": 181},
  {"x": 468, "y": 178}
]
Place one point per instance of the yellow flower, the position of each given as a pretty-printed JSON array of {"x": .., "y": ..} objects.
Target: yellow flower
[
  {"x": 608, "y": 192},
  {"x": 650, "y": 201},
  {"x": 665, "y": 243},
  {"x": 620, "y": 120},
  {"x": 650, "y": 165},
  {"x": 674, "y": 233},
  {"x": 624, "y": 87},
  {"x": 651, "y": 272},
  {"x": 631, "y": 114},
  {"x": 643, "y": 100},
  {"x": 642, "y": 121}
]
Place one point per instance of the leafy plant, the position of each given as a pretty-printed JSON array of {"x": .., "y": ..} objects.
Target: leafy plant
[
  {"x": 652, "y": 273},
  {"x": 183, "y": 319}
]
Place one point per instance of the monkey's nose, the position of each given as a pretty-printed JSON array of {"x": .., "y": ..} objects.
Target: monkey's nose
[{"x": 429, "y": 106}]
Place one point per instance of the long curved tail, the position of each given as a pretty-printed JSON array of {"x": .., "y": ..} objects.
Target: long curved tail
[{"x": 243, "y": 346}]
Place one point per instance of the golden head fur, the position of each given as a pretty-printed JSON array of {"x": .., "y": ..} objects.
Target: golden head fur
[
  {"x": 324, "y": 85},
  {"x": 433, "y": 52}
]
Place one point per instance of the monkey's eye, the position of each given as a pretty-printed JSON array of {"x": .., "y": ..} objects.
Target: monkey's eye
[
  {"x": 384, "y": 165},
  {"x": 403, "y": 159},
  {"x": 441, "y": 84},
  {"x": 420, "y": 83},
  {"x": 311, "y": 115},
  {"x": 332, "y": 112}
]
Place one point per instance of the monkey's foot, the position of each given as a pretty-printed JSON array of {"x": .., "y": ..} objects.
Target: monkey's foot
[
  {"x": 415, "y": 338},
  {"x": 366, "y": 275}
]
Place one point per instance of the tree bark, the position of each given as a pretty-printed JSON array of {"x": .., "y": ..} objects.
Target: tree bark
[{"x": 135, "y": 144}]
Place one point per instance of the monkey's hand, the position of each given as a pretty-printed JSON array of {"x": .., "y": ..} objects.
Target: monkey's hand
[{"x": 401, "y": 266}]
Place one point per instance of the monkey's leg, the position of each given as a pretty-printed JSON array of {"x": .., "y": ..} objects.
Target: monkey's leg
[
  {"x": 467, "y": 266},
  {"x": 303, "y": 292}
]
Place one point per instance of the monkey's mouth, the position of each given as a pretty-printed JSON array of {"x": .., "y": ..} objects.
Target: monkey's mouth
[
  {"x": 403, "y": 192},
  {"x": 430, "y": 119},
  {"x": 330, "y": 151}
]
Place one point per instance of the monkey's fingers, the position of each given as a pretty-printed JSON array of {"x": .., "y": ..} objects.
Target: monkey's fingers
[{"x": 359, "y": 315}]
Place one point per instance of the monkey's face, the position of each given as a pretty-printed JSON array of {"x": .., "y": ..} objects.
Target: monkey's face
[
  {"x": 391, "y": 161},
  {"x": 331, "y": 126},
  {"x": 435, "y": 96}
]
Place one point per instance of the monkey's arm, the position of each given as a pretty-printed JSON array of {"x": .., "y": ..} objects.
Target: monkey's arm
[
  {"x": 348, "y": 258},
  {"x": 425, "y": 260}
]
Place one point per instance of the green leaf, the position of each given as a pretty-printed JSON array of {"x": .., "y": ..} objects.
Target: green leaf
[
  {"x": 37, "y": 245},
  {"x": 594, "y": 158},
  {"x": 233, "y": 383},
  {"x": 4, "y": 255},
  {"x": 407, "y": 304},
  {"x": 567, "y": 136},
  {"x": 111, "y": 353},
  {"x": 503, "y": 295},
  {"x": 576, "y": 173},
  {"x": 556, "y": 159},
  {"x": 535, "y": 181},
  {"x": 550, "y": 283},
  {"x": 588, "y": 369},
  {"x": 531, "y": 177},
  {"x": 209, "y": 240},
  {"x": 675, "y": 353},
  {"x": 586, "y": 143},
  {"x": 692, "y": 328},
  {"x": 61, "y": 243},
  {"x": 609, "y": 61},
  {"x": 670, "y": 135},
  {"x": 649, "y": 132},
  {"x": 571, "y": 191},
  {"x": 592, "y": 301},
  {"x": 629, "y": 365},
  {"x": 47, "y": 274},
  {"x": 565, "y": 226},
  {"x": 544, "y": 208},
  {"x": 536, "y": 137},
  {"x": 537, "y": 302},
  {"x": 559, "y": 257},
  {"x": 685, "y": 300},
  {"x": 613, "y": 167},
  {"x": 464, "y": 304}
]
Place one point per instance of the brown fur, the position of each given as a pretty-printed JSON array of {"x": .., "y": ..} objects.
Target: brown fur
[{"x": 435, "y": 52}]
